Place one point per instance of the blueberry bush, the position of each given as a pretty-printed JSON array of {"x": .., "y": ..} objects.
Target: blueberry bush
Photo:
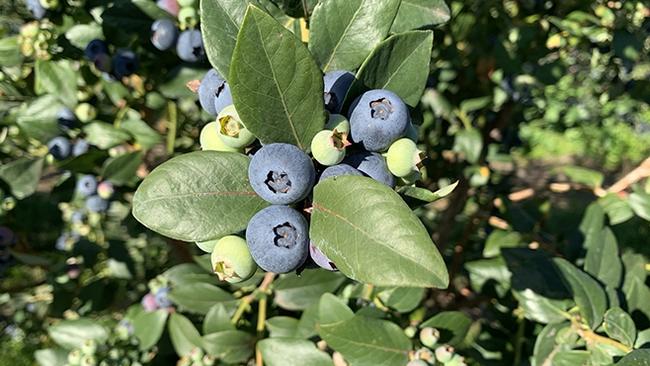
[{"x": 324, "y": 182}]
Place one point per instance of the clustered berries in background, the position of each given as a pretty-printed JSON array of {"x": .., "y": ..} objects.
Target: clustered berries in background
[
  {"x": 158, "y": 295},
  {"x": 433, "y": 353},
  {"x": 122, "y": 64},
  {"x": 186, "y": 36},
  {"x": 38, "y": 40},
  {"x": 376, "y": 139}
]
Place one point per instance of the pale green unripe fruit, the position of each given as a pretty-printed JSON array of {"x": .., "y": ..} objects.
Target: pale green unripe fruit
[
  {"x": 444, "y": 353},
  {"x": 429, "y": 336},
  {"x": 231, "y": 129},
  {"x": 89, "y": 347},
  {"x": 456, "y": 360},
  {"x": 403, "y": 157},
  {"x": 74, "y": 357},
  {"x": 49, "y": 4},
  {"x": 85, "y": 112},
  {"x": 188, "y": 17},
  {"x": 328, "y": 147},
  {"x": 186, "y": 3},
  {"x": 210, "y": 140},
  {"x": 339, "y": 123},
  {"x": 231, "y": 260}
]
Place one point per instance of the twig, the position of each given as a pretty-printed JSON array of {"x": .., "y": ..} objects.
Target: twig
[
  {"x": 591, "y": 337},
  {"x": 171, "y": 129},
  {"x": 248, "y": 299},
  {"x": 640, "y": 172}
]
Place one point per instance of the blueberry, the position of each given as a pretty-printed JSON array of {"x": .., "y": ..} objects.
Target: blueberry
[
  {"x": 35, "y": 7},
  {"x": 170, "y": 6},
  {"x": 190, "y": 46},
  {"x": 105, "y": 190},
  {"x": 429, "y": 337},
  {"x": 66, "y": 118},
  {"x": 328, "y": 147},
  {"x": 164, "y": 33},
  {"x": 444, "y": 353},
  {"x": 278, "y": 240},
  {"x": 403, "y": 157},
  {"x": 95, "y": 48},
  {"x": 86, "y": 185},
  {"x": 162, "y": 297},
  {"x": 373, "y": 165},
  {"x": 209, "y": 139},
  {"x": 232, "y": 130},
  {"x": 78, "y": 217},
  {"x": 281, "y": 173},
  {"x": 336, "y": 86},
  {"x": 61, "y": 242},
  {"x": 378, "y": 118},
  {"x": 149, "y": 303},
  {"x": 321, "y": 259},
  {"x": 7, "y": 237},
  {"x": 338, "y": 170},
  {"x": 231, "y": 260},
  {"x": 214, "y": 93},
  {"x": 96, "y": 204},
  {"x": 59, "y": 147},
  {"x": 80, "y": 147},
  {"x": 103, "y": 63},
  {"x": 125, "y": 63}
]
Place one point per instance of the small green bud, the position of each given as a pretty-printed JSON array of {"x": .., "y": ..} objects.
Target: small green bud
[
  {"x": 403, "y": 157},
  {"x": 429, "y": 336},
  {"x": 456, "y": 360},
  {"x": 231, "y": 260},
  {"x": 188, "y": 17},
  {"x": 410, "y": 331},
  {"x": 74, "y": 357},
  {"x": 49, "y": 4},
  {"x": 89, "y": 347},
  {"x": 186, "y": 3},
  {"x": 85, "y": 112},
  {"x": 328, "y": 147},
  {"x": 231, "y": 129},
  {"x": 196, "y": 354},
  {"x": 444, "y": 353},
  {"x": 88, "y": 360},
  {"x": 210, "y": 140}
]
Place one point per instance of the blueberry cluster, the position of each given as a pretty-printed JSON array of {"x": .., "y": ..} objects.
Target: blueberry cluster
[
  {"x": 122, "y": 64},
  {"x": 38, "y": 40},
  {"x": 376, "y": 139},
  {"x": 187, "y": 39},
  {"x": 433, "y": 353},
  {"x": 158, "y": 296},
  {"x": 83, "y": 356}
]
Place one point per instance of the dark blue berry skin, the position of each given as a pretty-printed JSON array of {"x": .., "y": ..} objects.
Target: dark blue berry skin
[
  {"x": 281, "y": 173},
  {"x": 80, "y": 147},
  {"x": 164, "y": 34},
  {"x": 278, "y": 239},
  {"x": 86, "y": 185},
  {"x": 373, "y": 165},
  {"x": 59, "y": 147},
  {"x": 96, "y": 204},
  {"x": 378, "y": 118},
  {"x": 95, "y": 48},
  {"x": 337, "y": 83},
  {"x": 66, "y": 118},
  {"x": 190, "y": 46},
  {"x": 125, "y": 63},
  {"x": 214, "y": 93},
  {"x": 162, "y": 297},
  {"x": 338, "y": 170},
  {"x": 35, "y": 7}
]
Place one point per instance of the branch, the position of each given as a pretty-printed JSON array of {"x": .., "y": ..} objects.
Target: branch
[{"x": 248, "y": 299}]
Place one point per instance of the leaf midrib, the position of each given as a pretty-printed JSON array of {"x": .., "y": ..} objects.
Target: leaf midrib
[
  {"x": 343, "y": 35},
  {"x": 405, "y": 59},
  {"x": 368, "y": 345},
  {"x": 198, "y": 194}
]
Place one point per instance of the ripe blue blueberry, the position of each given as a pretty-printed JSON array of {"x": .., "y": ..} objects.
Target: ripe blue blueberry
[
  {"x": 35, "y": 7},
  {"x": 95, "y": 48},
  {"x": 373, "y": 165},
  {"x": 190, "y": 46},
  {"x": 164, "y": 33},
  {"x": 214, "y": 93},
  {"x": 125, "y": 63},
  {"x": 80, "y": 147},
  {"x": 66, "y": 118},
  {"x": 103, "y": 63},
  {"x": 59, "y": 147},
  {"x": 338, "y": 170},
  {"x": 86, "y": 185},
  {"x": 162, "y": 297},
  {"x": 96, "y": 204},
  {"x": 278, "y": 240},
  {"x": 321, "y": 259},
  {"x": 281, "y": 173},
  {"x": 377, "y": 118},
  {"x": 78, "y": 217},
  {"x": 336, "y": 86}
]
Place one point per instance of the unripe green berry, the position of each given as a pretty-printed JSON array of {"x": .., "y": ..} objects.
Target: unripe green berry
[
  {"x": 328, "y": 147},
  {"x": 74, "y": 357},
  {"x": 49, "y": 4},
  {"x": 89, "y": 347},
  {"x": 444, "y": 353},
  {"x": 231, "y": 260},
  {"x": 186, "y": 3},
  {"x": 196, "y": 354},
  {"x": 88, "y": 360},
  {"x": 187, "y": 17},
  {"x": 410, "y": 331},
  {"x": 210, "y": 140},
  {"x": 339, "y": 123},
  {"x": 85, "y": 112},
  {"x": 231, "y": 129},
  {"x": 403, "y": 157},
  {"x": 456, "y": 360},
  {"x": 429, "y": 336}
]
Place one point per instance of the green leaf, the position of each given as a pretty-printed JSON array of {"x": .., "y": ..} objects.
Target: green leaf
[
  {"x": 545, "y": 346},
  {"x": 426, "y": 195},
  {"x": 80, "y": 35},
  {"x": 402, "y": 299},
  {"x": 542, "y": 309},
  {"x": 453, "y": 326},
  {"x": 619, "y": 325},
  {"x": 148, "y": 327},
  {"x": 603, "y": 260},
  {"x": 121, "y": 170},
  {"x": 57, "y": 78},
  {"x": 588, "y": 177},
  {"x": 282, "y": 326},
  {"x": 175, "y": 83},
  {"x": 489, "y": 271},
  {"x": 276, "y": 86},
  {"x": 308, "y": 320},
  {"x": 22, "y": 176},
  {"x": 570, "y": 358},
  {"x": 143, "y": 134},
  {"x": 151, "y": 9},
  {"x": 592, "y": 223},
  {"x": 292, "y": 352},
  {"x": 500, "y": 239},
  {"x": 104, "y": 135},
  {"x": 344, "y": 32},
  {"x": 51, "y": 357},
  {"x": 353, "y": 216},
  {"x": 38, "y": 120},
  {"x": 587, "y": 292},
  {"x": 220, "y": 22},
  {"x": 10, "y": 51},
  {"x": 294, "y": 292},
  {"x": 416, "y": 14},
  {"x": 217, "y": 320},
  {"x": 230, "y": 346},
  {"x": 469, "y": 143},
  {"x": 617, "y": 209},
  {"x": 399, "y": 64},
  {"x": 199, "y": 297},
  {"x": 640, "y": 204},
  {"x": 188, "y": 273},
  {"x": 215, "y": 202},
  {"x": 367, "y": 341},
  {"x": 332, "y": 310},
  {"x": 638, "y": 357},
  {"x": 183, "y": 334},
  {"x": 71, "y": 334}
]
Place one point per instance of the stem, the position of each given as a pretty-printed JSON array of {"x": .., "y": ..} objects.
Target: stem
[
  {"x": 258, "y": 357},
  {"x": 171, "y": 129},
  {"x": 261, "y": 315},
  {"x": 591, "y": 337},
  {"x": 367, "y": 291},
  {"x": 248, "y": 299},
  {"x": 519, "y": 338}
]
